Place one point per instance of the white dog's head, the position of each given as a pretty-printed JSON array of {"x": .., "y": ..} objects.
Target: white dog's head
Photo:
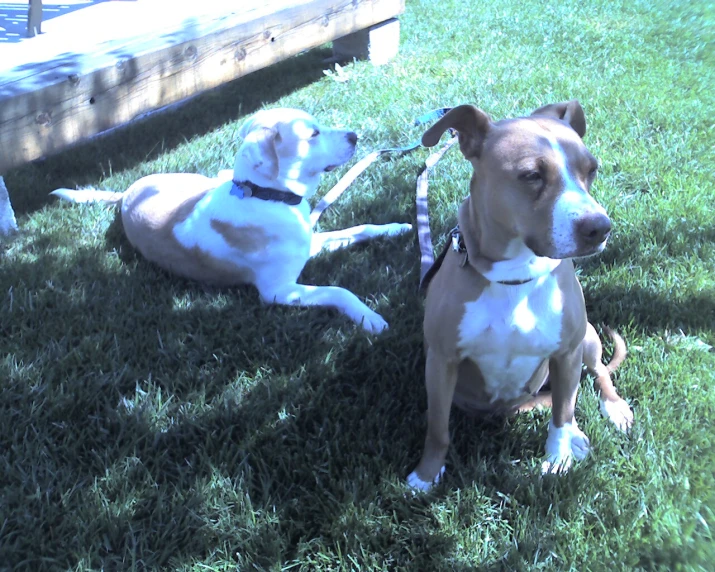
[{"x": 288, "y": 149}]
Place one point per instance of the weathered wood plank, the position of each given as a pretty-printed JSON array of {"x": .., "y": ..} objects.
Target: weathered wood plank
[{"x": 48, "y": 106}]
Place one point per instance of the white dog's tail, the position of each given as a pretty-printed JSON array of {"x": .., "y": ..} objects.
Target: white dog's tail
[{"x": 88, "y": 196}]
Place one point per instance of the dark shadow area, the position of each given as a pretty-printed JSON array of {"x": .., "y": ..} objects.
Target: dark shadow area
[
  {"x": 648, "y": 306},
  {"x": 651, "y": 311},
  {"x": 280, "y": 441},
  {"x": 101, "y": 333}
]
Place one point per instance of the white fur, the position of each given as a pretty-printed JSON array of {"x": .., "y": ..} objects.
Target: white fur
[
  {"x": 414, "y": 482},
  {"x": 572, "y": 203},
  {"x": 509, "y": 330},
  {"x": 521, "y": 264},
  {"x": 283, "y": 149},
  {"x": 562, "y": 446}
]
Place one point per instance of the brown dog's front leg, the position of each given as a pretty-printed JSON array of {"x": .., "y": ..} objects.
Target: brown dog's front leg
[
  {"x": 440, "y": 381},
  {"x": 565, "y": 440}
]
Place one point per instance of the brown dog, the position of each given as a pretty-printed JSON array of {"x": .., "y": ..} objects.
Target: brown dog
[{"x": 505, "y": 312}]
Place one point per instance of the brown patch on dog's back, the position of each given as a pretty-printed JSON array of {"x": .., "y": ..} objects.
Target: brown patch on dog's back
[
  {"x": 249, "y": 238},
  {"x": 153, "y": 207}
]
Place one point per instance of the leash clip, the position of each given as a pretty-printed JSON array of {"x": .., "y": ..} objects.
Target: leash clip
[
  {"x": 457, "y": 242},
  {"x": 458, "y": 245}
]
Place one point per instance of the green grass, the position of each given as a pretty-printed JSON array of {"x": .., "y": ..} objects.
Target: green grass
[{"x": 147, "y": 423}]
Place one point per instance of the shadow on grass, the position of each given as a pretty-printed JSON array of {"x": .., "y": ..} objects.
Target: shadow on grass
[
  {"x": 148, "y": 419},
  {"x": 151, "y": 136},
  {"x": 145, "y": 419},
  {"x": 649, "y": 305}
]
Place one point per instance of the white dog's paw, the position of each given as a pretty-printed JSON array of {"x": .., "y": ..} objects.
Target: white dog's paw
[
  {"x": 563, "y": 445},
  {"x": 618, "y": 412},
  {"x": 372, "y": 322},
  {"x": 396, "y": 228},
  {"x": 418, "y": 485}
]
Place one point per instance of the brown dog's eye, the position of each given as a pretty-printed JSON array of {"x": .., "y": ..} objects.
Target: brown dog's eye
[
  {"x": 531, "y": 177},
  {"x": 316, "y": 132},
  {"x": 593, "y": 172}
]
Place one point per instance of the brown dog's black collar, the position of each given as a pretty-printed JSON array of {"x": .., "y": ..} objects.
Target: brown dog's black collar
[
  {"x": 513, "y": 282},
  {"x": 456, "y": 242},
  {"x": 245, "y": 189}
]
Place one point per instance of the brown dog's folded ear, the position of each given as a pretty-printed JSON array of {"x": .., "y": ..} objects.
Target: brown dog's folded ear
[
  {"x": 259, "y": 148},
  {"x": 470, "y": 122},
  {"x": 569, "y": 111}
]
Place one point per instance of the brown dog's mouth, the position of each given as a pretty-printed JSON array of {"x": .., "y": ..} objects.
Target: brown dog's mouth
[
  {"x": 548, "y": 251},
  {"x": 330, "y": 168}
]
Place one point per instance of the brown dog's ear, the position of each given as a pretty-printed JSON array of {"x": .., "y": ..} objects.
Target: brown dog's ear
[
  {"x": 470, "y": 122},
  {"x": 259, "y": 148},
  {"x": 569, "y": 111}
]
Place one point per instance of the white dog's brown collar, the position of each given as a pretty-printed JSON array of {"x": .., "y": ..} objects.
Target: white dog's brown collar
[{"x": 245, "y": 189}]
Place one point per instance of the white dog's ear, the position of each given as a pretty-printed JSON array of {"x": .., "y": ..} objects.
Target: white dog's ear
[
  {"x": 246, "y": 127},
  {"x": 259, "y": 149}
]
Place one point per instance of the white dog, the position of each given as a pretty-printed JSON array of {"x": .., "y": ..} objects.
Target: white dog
[{"x": 251, "y": 225}]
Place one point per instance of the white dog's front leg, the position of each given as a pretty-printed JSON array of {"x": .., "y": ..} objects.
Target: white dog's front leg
[
  {"x": 332, "y": 296},
  {"x": 341, "y": 238}
]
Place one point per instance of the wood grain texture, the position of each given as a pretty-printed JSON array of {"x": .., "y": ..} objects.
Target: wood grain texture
[{"x": 47, "y": 106}]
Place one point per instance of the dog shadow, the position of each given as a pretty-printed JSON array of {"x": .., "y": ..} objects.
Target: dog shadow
[{"x": 649, "y": 308}]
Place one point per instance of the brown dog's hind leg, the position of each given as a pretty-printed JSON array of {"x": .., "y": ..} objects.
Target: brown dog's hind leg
[
  {"x": 612, "y": 405},
  {"x": 542, "y": 400},
  {"x": 440, "y": 381}
]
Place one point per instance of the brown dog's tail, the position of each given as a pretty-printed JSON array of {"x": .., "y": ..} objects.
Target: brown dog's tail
[
  {"x": 88, "y": 196},
  {"x": 619, "y": 350}
]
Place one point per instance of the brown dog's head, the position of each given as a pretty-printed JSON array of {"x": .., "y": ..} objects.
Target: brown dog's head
[{"x": 532, "y": 176}]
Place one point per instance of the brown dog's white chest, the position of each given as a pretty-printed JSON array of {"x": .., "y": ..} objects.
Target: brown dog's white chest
[{"x": 508, "y": 331}]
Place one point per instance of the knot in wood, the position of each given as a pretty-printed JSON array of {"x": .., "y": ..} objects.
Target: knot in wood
[{"x": 44, "y": 118}]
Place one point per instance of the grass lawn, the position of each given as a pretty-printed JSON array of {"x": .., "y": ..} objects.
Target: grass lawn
[{"x": 147, "y": 423}]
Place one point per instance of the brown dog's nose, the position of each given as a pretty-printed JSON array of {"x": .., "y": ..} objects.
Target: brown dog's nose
[
  {"x": 594, "y": 228},
  {"x": 352, "y": 137}
]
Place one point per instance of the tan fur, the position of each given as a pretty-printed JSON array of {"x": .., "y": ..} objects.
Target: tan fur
[
  {"x": 515, "y": 226},
  {"x": 249, "y": 238},
  {"x": 149, "y": 215}
]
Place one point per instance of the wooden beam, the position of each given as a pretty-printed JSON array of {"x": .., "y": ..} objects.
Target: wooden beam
[
  {"x": 45, "y": 107},
  {"x": 377, "y": 43}
]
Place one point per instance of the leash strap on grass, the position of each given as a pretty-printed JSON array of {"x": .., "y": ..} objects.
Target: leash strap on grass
[
  {"x": 423, "y": 230},
  {"x": 332, "y": 195}
]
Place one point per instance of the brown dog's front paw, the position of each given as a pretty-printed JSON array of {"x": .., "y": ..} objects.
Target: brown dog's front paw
[
  {"x": 417, "y": 484},
  {"x": 563, "y": 445}
]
